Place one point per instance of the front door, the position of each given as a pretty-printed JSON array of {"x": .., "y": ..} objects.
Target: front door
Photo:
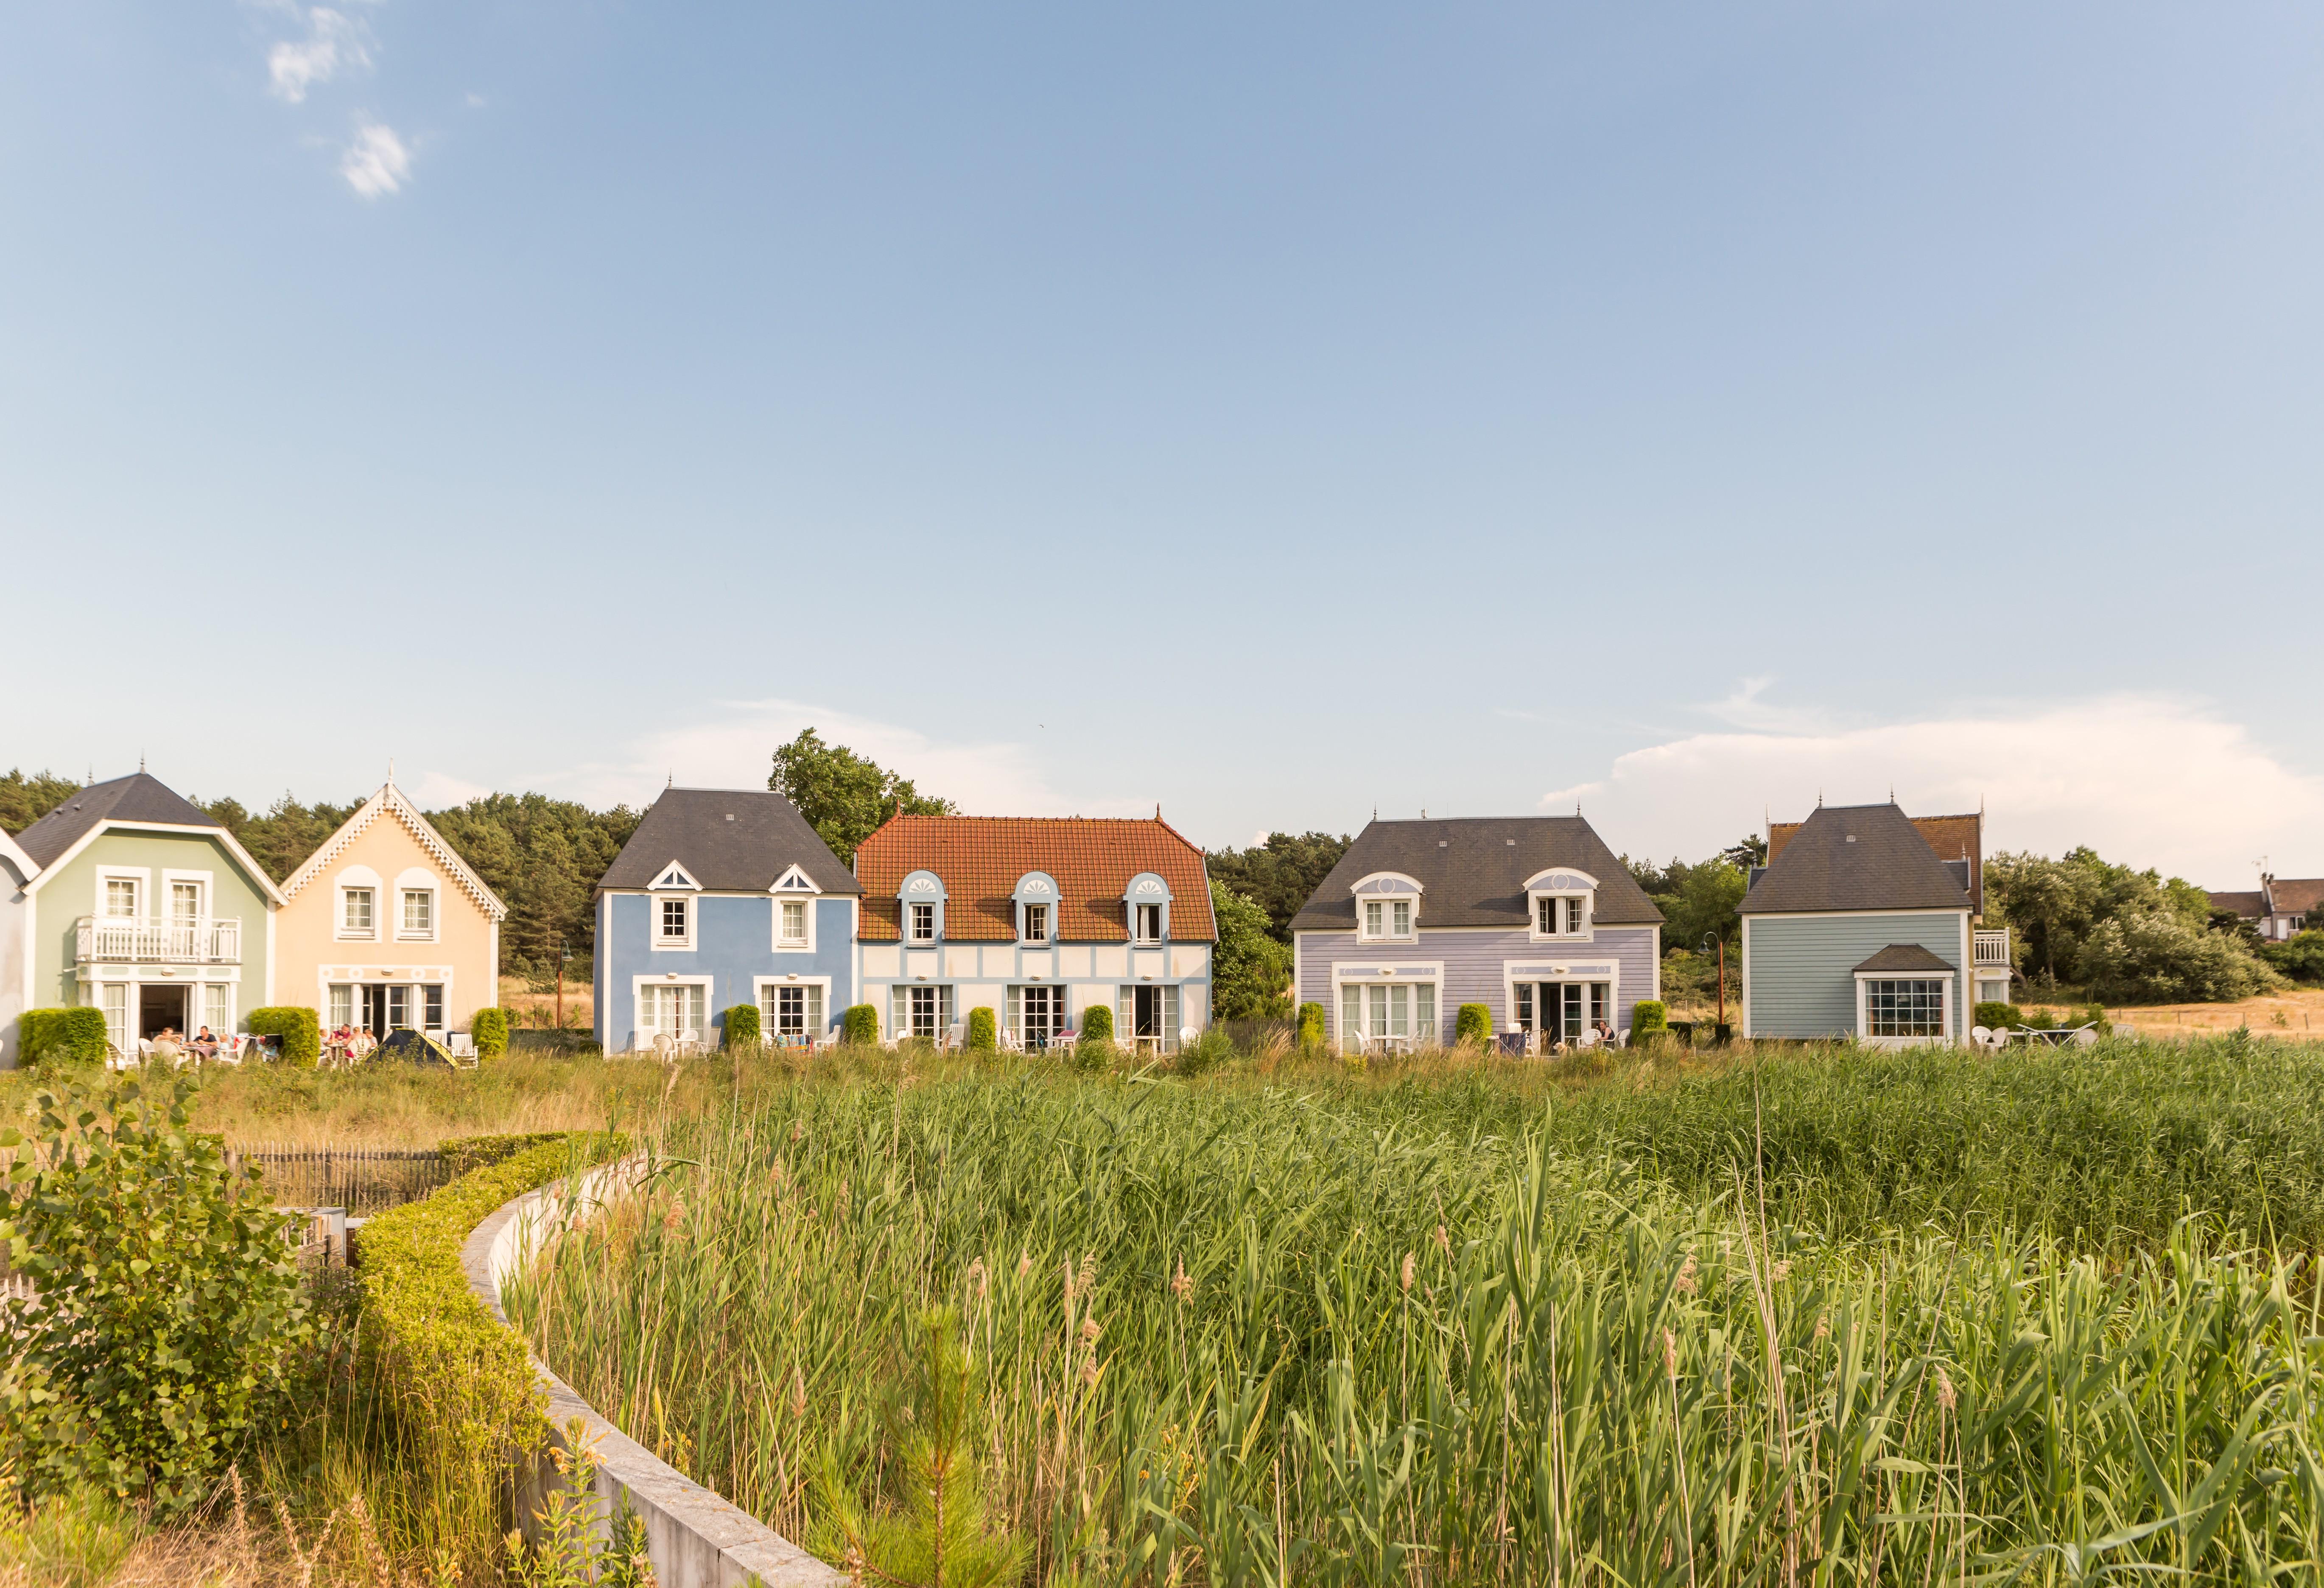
[
  {"x": 1561, "y": 1011},
  {"x": 160, "y": 1006},
  {"x": 1147, "y": 1017}
]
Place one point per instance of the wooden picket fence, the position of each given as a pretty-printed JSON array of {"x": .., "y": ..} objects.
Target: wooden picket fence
[{"x": 365, "y": 1180}]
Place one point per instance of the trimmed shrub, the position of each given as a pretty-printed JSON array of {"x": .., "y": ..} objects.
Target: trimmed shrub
[
  {"x": 1311, "y": 1025},
  {"x": 742, "y": 1026},
  {"x": 1474, "y": 1023},
  {"x": 300, "y": 1031},
  {"x": 1206, "y": 1053},
  {"x": 466, "y": 1403},
  {"x": 488, "y": 1028},
  {"x": 1097, "y": 1023},
  {"x": 860, "y": 1024},
  {"x": 1996, "y": 1017},
  {"x": 61, "y": 1036},
  {"x": 983, "y": 1029},
  {"x": 467, "y": 1154},
  {"x": 1650, "y": 1019}
]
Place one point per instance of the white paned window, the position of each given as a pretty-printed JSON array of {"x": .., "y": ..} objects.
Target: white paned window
[
  {"x": 1388, "y": 918},
  {"x": 1560, "y": 915},
  {"x": 114, "y": 998},
  {"x": 923, "y": 923},
  {"x": 1036, "y": 1014},
  {"x": 343, "y": 1004},
  {"x": 670, "y": 1009},
  {"x": 1905, "y": 1007},
  {"x": 792, "y": 1011},
  {"x": 431, "y": 999},
  {"x": 418, "y": 912},
  {"x": 356, "y": 912},
  {"x": 920, "y": 1009},
  {"x": 1149, "y": 923},
  {"x": 185, "y": 901},
  {"x": 1372, "y": 1013},
  {"x": 218, "y": 1008},
  {"x": 674, "y": 921},
  {"x": 399, "y": 1007},
  {"x": 1037, "y": 923},
  {"x": 121, "y": 896},
  {"x": 794, "y": 923}
]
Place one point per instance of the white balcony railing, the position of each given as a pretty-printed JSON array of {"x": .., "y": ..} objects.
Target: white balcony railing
[
  {"x": 1993, "y": 946},
  {"x": 128, "y": 939}
]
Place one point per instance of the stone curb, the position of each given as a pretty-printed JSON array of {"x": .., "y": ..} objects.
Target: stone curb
[{"x": 694, "y": 1538}]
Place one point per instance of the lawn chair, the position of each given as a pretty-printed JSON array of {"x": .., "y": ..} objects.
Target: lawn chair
[{"x": 2086, "y": 1036}]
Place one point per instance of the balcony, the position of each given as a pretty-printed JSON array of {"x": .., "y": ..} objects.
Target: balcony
[
  {"x": 128, "y": 939},
  {"x": 1993, "y": 949}
]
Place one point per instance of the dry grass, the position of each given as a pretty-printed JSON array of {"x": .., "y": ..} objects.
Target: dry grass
[{"x": 2297, "y": 1013}]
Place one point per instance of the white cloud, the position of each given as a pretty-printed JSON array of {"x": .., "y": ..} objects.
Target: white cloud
[
  {"x": 376, "y": 162},
  {"x": 435, "y": 790},
  {"x": 333, "y": 40},
  {"x": 733, "y": 750},
  {"x": 2150, "y": 781}
]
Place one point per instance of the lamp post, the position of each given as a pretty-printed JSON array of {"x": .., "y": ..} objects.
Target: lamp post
[
  {"x": 564, "y": 952},
  {"x": 1708, "y": 939}
]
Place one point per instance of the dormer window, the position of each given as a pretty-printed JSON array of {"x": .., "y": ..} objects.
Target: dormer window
[
  {"x": 1146, "y": 907},
  {"x": 1037, "y": 923},
  {"x": 1388, "y": 908},
  {"x": 1149, "y": 923},
  {"x": 1388, "y": 918},
  {"x": 923, "y": 923},
  {"x": 1563, "y": 903}
]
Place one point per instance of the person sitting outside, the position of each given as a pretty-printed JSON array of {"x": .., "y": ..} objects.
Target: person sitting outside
[
  {"x": 1604, "y": 1031},
  {"x": 166, "y": 1045},
  {"x": 205, "y": 1045}
]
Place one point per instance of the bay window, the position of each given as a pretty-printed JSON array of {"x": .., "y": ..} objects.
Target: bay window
[{"x": 1905, "y": 1007}]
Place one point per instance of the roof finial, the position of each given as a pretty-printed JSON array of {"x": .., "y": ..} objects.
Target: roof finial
[
  {"x": 1819, "y": 798},
  {"x": 141, "y": 760},
  {"x": 390, "y": 769},
  {"x": 1158, "y": 810},
  {"x": 1423, "y": 813},
  {"x": 670, "y": 778},
  {"x": 1375, "y": 813},
  {"x": 1892, "y": 791}
]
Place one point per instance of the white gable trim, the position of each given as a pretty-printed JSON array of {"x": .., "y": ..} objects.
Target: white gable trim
[
  {"x": 795, "y": 880},
  {"x": 390, "y": 798},
  {"x": 672, "y": 878}
]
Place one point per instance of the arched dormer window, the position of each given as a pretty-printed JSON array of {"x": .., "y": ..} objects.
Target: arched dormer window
[
  {"x": 1146, "y": 905},
  {"x": 1562, "y": 902},
  {"x": 1036, "y": 898},
  {"x": 1388, "y": 908},
  {"x": 923, "y": 899}
]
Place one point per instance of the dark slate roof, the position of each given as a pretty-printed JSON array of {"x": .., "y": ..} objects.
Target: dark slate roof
[
  {"x": 1472, "y": 871},
  {"x": 1904, "y": 959},
  {"x": 1855, "y": 857},
  {"x": 766, "y": 838},
  {"x": 137, "y": 797},
  {"x": 2249, "y": 906}
]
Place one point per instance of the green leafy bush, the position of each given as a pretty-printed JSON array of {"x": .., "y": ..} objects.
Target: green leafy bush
[
  {"x": 488, "y": 1028},
  {"x": 1206, "y": 1053},
  {"x": 1650, "y": 1017},
  {"x": 983, "y": 1030},
  {"x": 1311, "y": 1025},
  {"x": 742, "y": 1026},
  {"x": 300, "y": 1031},
  {"x": 466, "y": 1154},
  {"x": 466, "y": 1403},
  {"x": 61, "y": 1036},
  {"x": 2300, "y": 958},
  {"x": 170, "y": 1308},
  {"x": 2156, "y": 956},
  {"x": 1474, "y": 1023},
  {"x": 1996, "y": 1017},
  {"x": 860, "y": 1025},
  {"x": 1093, "y": 1050}
]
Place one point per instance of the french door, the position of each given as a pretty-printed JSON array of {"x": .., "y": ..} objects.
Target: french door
[{"x": 1562, "y": 1009}]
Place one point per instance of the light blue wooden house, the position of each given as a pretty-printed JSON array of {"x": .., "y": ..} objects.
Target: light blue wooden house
[{"x": 720, "y": 898}]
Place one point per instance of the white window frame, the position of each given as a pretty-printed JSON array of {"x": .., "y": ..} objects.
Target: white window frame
[
  {"x": 638, "y": 986},
  {"x": 1047, "y": 935},
  {"x": 899, "y": 1009},
  {"x": 1012, "y": 1007},
  {"x": 118, "y": 1021},
  {"x": 1390, "y": 906},
  {"x": 1606, "y": 968},
  {"x": 1398, "y": 994},
  {"x": 223, "y": 992},
  {"x": 662, "y": 945},
  {"x": 762, "y": 988},
  {"x": 174, "y": 878},
  {"x": 404, "y": 932},
  {"x": 1947, "y": 1019},
  {"x": 912, "y": 908},
  {"x": 345, "y": 896},
  {"x": 1566, "y": 900},
  {"x": 1137, "y": 932},
  {"x": 140, "y": 877},
  {"x": 804, "y": 942},
  {"x": 339, "y": 1000}
]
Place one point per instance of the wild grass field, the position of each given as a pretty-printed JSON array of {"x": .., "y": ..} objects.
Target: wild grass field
[{"x": 1822, "y": 1315}]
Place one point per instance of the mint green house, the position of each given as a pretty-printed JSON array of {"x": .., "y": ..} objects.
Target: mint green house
[{"x": 146, "y": 908}]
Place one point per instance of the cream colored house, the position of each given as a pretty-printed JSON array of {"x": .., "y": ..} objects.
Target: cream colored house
[{"x": 387, "y": 929}]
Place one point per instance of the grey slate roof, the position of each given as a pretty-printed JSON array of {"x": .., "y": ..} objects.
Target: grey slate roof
[
  {"x": 137, "y": 797},
  {"x": 1888, "y": 865},
  {"x": 1904, "y": 959},
  {"x": 2248, "y": 906},
  {"x": 766, "y": 838},
  {"x": 1472, "y": 871}
]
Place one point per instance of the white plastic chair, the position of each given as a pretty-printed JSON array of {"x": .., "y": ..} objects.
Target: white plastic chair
[
  {"x": 2088, "y": 1037},
  {"x": 1587, "y": 1039},
  {"x": 1981, "y": 1036},
  {"x": 663, "y": 1047},
  {"x": 1622, "y": 1038}
]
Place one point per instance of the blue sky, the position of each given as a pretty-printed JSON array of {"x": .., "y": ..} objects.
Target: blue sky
[{"x": 1272, "y": 413}]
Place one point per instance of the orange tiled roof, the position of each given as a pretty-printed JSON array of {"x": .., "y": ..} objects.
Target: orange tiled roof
[{"x": 981, "y": 859}]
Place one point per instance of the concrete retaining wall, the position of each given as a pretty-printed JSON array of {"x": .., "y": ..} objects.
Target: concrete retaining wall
[{"x": 695, "y": 1538}]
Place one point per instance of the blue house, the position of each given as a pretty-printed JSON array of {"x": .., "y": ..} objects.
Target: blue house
[
  {"x": 1532, "y": 916},
  {"x": 1857, "y": 928},
  {"x": 723, "y": 898}
]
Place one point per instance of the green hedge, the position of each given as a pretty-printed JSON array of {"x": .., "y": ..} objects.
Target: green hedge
[
  {"x": 467, "y": 1405},
  {"x": 301, "y": 1030},
  {"x": 1097, "y": 1023},
  {"x": 467, "y": 1154},
  {"x": 1474, "y": 1024},
  {"x": 488, "y": 1028},
  {"x": 1996, "y": 1017},
  {"x": 860, "y": 1024},
  {"x": 742, "y": 1026},
  {"x": 1651, "y": 1016},
  {"x": 1311, "y": 1025},
  {"x": 983, "y": 1030},
  {"x": 69, "y": 1036}
]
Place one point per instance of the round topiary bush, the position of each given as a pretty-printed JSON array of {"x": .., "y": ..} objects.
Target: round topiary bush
[
  {"x": 301, "y": 1029},
  {"x": 742, "y": 1026},
  {"x": 1474, "y": 1023},
  {"x": 983, "y": 1030},
  {"x": 860, "y": 1025},
  {"x": 489, "y": 1027},
  {"x": 1094, "y": 1049}
]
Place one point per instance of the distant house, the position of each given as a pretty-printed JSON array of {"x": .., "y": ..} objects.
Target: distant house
[
  {"x": 144, "y": 906},
  {"x": 1954, "y": 838},
  {"x": 2280, "y": 907},
  {"x": 722, "y": 896},
  {"x": 1533, "y": 916},
  {"x": 16, "y": 870},
  {"x": 387, "y": 929},
  {"x": 1037, "y": 919},
  {"x": 1855, "y": 927}
]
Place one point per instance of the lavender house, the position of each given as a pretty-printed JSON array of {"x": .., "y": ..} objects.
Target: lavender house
[{"x": 1533, "y": 916}]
